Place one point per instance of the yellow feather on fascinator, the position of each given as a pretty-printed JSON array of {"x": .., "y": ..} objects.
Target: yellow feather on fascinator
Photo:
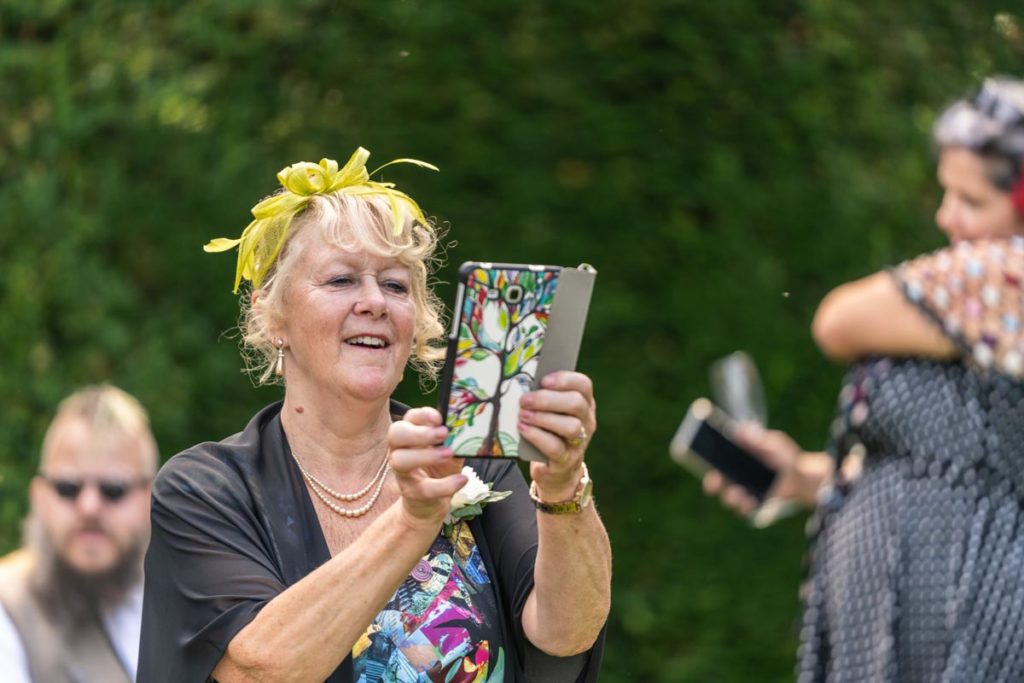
[{"x": 262, "y": 239}]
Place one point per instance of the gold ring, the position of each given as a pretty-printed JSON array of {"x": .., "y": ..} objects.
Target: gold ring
[{"x": 578, "y": 440}]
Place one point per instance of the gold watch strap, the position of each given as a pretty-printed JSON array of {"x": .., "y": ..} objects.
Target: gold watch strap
[{"x": 574, "y": 505}]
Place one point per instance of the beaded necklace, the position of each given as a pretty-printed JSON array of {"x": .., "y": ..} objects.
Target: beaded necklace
[{"x": 320, "y": 488}]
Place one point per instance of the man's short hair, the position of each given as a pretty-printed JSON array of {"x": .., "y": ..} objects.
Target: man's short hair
[{"x": 109, "y": 411}]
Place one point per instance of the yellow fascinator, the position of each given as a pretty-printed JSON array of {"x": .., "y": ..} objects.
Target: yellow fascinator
[{"x": 261, "y": 241}]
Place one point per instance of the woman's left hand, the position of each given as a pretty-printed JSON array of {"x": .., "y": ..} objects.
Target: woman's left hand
[{"x": 559, "y": 419}]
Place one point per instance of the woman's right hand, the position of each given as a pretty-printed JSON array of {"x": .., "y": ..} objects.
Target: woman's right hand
[
  {"x": 800, "y": 474},
  {"x": 427, "y": 472}
]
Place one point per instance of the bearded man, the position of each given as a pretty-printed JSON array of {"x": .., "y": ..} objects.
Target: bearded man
[{"x": 71, "y": 597}]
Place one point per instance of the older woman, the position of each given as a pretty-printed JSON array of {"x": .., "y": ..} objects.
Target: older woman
[
  {"x": 312, "y": 545},
  {"x": 917, "y": 564}
]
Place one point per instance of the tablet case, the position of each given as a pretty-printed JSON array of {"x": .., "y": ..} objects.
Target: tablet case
[{"x": 512, "y": 325}]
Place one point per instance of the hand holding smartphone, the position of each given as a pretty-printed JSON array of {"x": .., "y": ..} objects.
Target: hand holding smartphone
[{"x": 706, "y": 441}]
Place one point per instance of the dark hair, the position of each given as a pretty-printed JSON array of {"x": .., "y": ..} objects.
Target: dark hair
[{"x": 991, "y": 124}]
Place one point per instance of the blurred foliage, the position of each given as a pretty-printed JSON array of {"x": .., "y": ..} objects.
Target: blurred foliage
[{"x": 723, "y": 164}]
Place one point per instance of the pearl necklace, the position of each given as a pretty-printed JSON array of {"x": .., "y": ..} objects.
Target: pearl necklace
[
  {"x": 347, "y": 497},
  {"x": 318, "y": 487}
]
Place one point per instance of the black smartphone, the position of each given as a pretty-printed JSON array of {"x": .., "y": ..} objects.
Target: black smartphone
[{"x": 704, "y": 442}]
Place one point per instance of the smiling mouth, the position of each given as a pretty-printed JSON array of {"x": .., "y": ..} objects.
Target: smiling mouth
[{"x": 368, "y": 342}]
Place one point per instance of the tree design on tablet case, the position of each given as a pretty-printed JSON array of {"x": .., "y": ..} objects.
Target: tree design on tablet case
[{"x": 504, "y": 315}]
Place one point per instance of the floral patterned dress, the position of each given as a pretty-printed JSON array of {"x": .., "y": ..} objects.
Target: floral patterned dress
[{"x": 441, "y": 624}]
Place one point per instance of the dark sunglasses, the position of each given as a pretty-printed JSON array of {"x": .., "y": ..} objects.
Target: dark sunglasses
[{"x": 111, "y": 490}]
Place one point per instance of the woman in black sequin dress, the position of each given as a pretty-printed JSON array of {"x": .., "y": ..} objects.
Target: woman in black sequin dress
[{"x": 917, "y": 570}]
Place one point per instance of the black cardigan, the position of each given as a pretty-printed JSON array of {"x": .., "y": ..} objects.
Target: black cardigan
[{"x": 234, "y": 526}]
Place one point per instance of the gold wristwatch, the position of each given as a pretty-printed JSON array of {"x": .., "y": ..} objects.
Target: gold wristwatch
[{"x": 576, "y": 504}]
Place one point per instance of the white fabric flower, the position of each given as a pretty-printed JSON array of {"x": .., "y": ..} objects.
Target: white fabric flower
[{"x": 469, "y": 501}]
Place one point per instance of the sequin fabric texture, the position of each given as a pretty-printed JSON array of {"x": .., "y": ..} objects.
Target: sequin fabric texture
[{"x": 918, "y": 563}]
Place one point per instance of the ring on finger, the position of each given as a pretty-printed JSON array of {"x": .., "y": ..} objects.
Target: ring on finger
[{"x": 578, "y": 440}]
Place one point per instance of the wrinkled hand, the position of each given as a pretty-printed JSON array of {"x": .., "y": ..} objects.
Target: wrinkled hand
[
  {"x": 775, "y": 449},
  {"x": 427, "y": 473},
  {"x": 553, "y": 418}
]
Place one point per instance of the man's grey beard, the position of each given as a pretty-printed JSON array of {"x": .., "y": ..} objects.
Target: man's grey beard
[{"x": 69, "y": 596}]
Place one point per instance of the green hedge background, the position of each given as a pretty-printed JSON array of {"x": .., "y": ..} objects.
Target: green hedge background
[{"x": 722, "y": 164}]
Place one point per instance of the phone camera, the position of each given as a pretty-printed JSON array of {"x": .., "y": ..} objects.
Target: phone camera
[{"x": 513, "y": 294}]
